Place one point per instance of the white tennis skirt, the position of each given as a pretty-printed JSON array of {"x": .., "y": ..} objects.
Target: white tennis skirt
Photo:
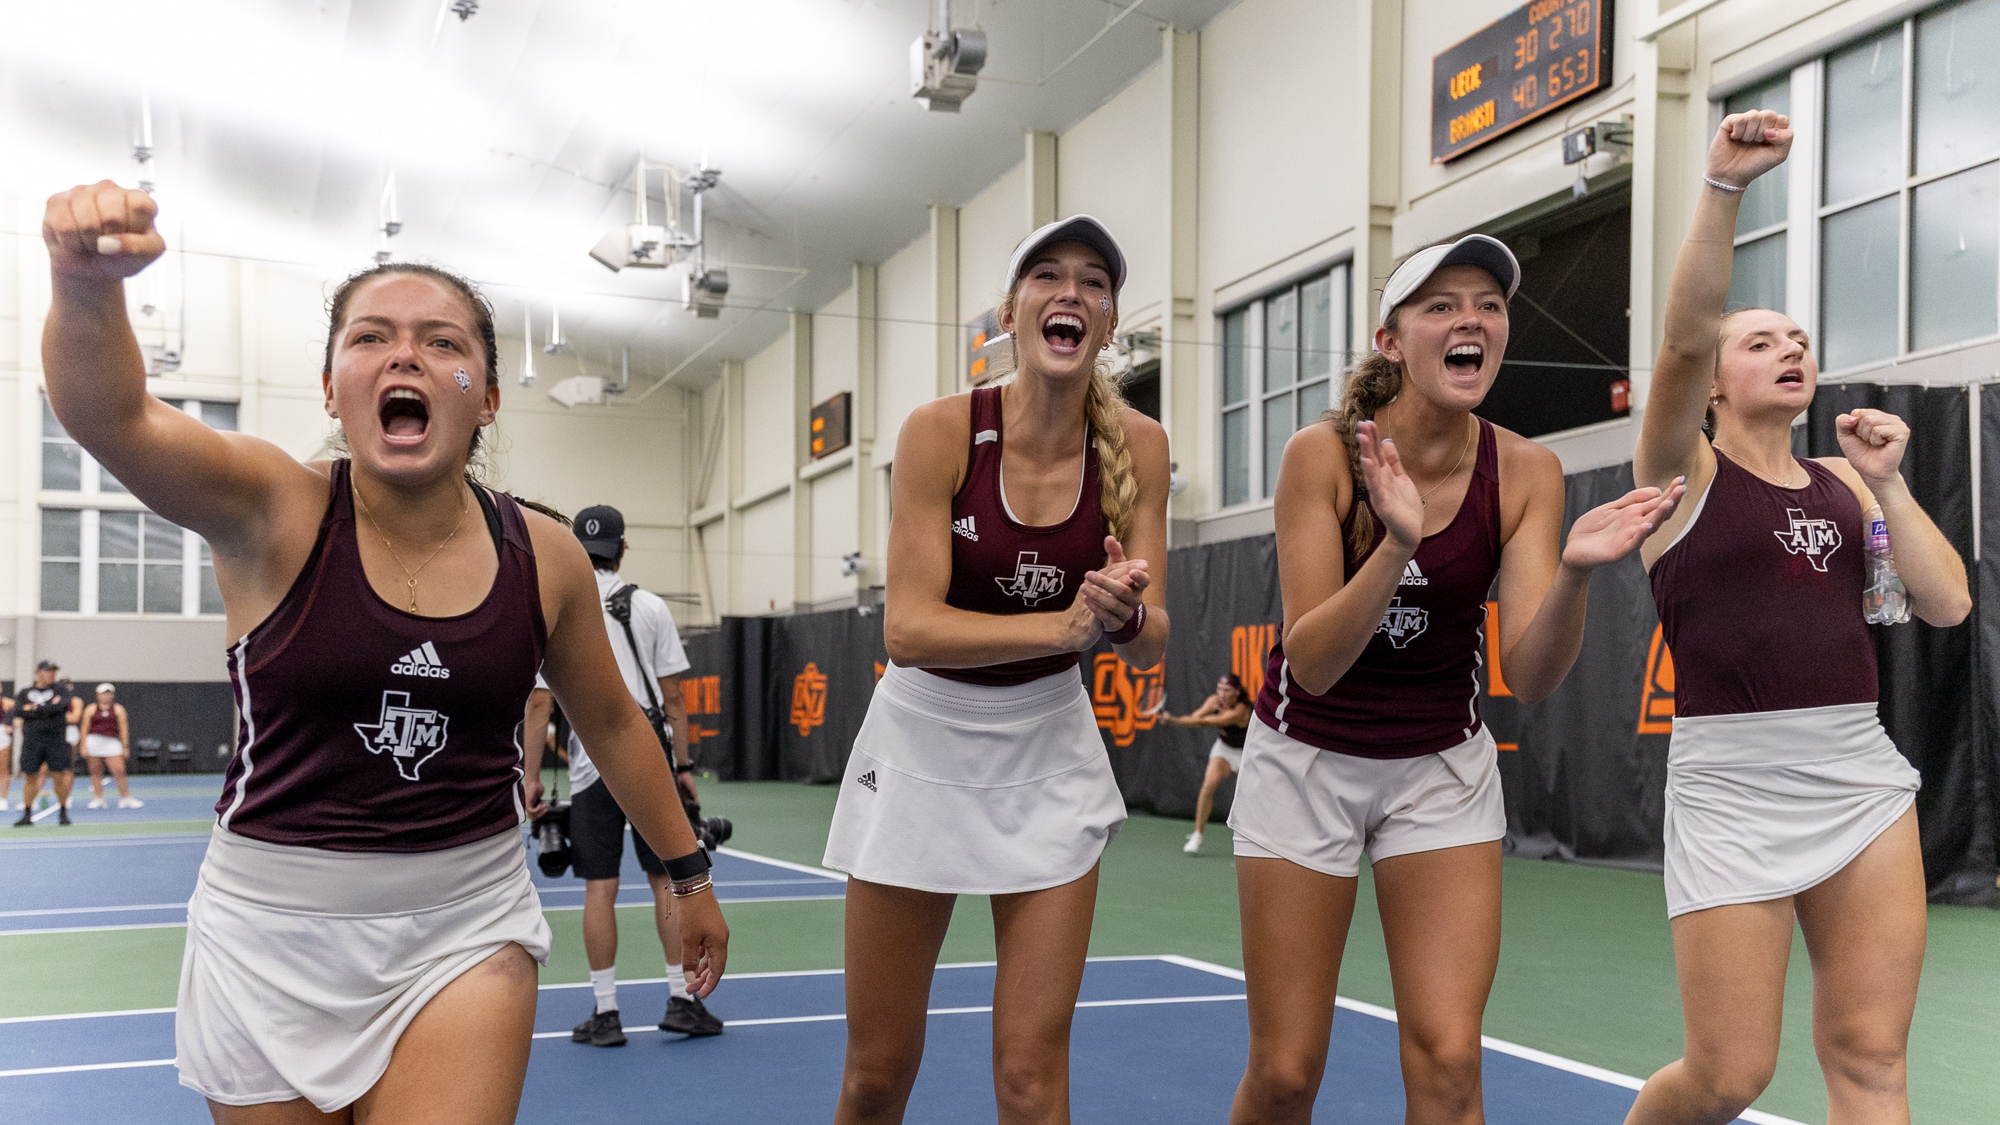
[
  {"x": 1231, "y": 754},
  {"x": 964, "y": 789},
  {"x": 1771, "y": 803},
  {"x": 103, "y": 746},
  {"x": 303, "y": 966}
]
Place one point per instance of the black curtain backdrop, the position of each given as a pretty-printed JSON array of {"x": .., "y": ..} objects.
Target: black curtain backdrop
[{"x": 1584, "y": 770}]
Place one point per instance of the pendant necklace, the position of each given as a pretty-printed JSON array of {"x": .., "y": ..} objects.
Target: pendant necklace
[{"x": 409, "y": 575}]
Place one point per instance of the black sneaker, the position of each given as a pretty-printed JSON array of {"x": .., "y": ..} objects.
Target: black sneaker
[
  {"x": 686, "y": 1015},
  {"x": 62, "y": 815},
  {"x": 600, "y": 1030},
  {"x": 27, "y": 820}
]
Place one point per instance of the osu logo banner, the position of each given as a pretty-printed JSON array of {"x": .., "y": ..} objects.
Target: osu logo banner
[
  {"x": 702, "y": 698},
  {"x": 808, "y": 699},
  {"x": 1125, "y": 699},
  {"x": 1656, "y": 702},
  {"x": 1249, "y": 651}
]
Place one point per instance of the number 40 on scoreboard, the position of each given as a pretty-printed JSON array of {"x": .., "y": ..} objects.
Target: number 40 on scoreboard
[{"x": 1536, "y": 59}]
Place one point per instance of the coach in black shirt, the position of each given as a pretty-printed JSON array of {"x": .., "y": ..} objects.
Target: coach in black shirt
[{"x": 41, "y": 718}]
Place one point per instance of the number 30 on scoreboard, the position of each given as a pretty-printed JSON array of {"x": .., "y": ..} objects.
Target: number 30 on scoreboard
[{"x": 1537, "y": 58}]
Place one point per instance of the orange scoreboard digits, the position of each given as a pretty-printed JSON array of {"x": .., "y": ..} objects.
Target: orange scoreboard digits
[{"x": 1537, "y": 58}]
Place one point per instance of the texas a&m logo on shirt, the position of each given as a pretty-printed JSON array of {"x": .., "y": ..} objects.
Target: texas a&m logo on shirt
[
  {"x": 1403, "y": 623},
  {"x": 1032, "y": 580},
  {"x": 1817, "y": 540},
  {"x": 410, "y": 735}
]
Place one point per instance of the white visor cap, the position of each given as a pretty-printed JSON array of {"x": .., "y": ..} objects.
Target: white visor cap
[
  {"x": 1076, "y": 228},
  {"x": 1482, "y": 250},
  {"x": 102, "y": 688}
]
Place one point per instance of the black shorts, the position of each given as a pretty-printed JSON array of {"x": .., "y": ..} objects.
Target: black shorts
[
  {"x": 40, "y": 749},
  {"x": 597, "y": 836}
]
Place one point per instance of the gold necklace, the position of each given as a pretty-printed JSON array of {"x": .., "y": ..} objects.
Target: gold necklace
[
  {"x": 1741, "y": 464},
  {"x": 1423, "y": 501},
  {"x": 464, "y": 505}
]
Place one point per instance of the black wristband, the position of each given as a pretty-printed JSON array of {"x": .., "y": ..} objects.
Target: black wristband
[
  {"x": 690, "y": 866},
  {"x": 683, "y": 767}
]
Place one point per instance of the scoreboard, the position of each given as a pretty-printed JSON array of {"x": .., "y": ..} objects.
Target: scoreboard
[{"x": 1532, "y": 61}]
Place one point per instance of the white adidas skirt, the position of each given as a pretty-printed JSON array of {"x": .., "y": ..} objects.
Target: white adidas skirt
[
  {"x": 1771, "y": 803},
  {"x": 303, "y": 966},
  {"x": 965, "y": 789}
]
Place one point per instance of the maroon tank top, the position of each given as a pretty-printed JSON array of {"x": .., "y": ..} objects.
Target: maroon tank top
[
  {"x": 104, "y": 721},
  {"x": 1003, "y": 567},
  {"x": 1760, "y": 597},
  {"x": 363, "y": 728},
  {"x": 1415, "y": 689}
]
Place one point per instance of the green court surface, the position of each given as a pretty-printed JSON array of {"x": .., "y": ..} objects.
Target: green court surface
[{"x": 1586, "y": 967}]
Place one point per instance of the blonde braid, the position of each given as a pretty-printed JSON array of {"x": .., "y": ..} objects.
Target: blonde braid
[
  {"x": 1118, "y": 485},
  {"x": 1374, "y": 384}
]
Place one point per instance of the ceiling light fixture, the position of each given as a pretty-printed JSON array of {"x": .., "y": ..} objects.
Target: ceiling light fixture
[
  {"x": 527, "y": 345},
  {"x": 945, "y": 64},
  {"x": 391, "y": 220},
  {"x": 557, "y": 344},
  {"x": 143, "y": 150},
  {"x": 644, "y": 244}
]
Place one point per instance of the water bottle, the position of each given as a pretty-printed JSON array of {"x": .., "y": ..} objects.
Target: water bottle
[{"x": 1886, "y": 601}]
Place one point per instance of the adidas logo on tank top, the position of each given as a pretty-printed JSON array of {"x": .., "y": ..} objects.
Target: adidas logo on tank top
[
  {"x": 965, "y": 527},
  {"x": 1412, "y": 576},
  {"x": 868, "y": 781},
  {"x": 422, "y": 660}
]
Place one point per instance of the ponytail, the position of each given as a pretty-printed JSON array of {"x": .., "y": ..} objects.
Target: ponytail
[{"x": 1374, "y": 384}]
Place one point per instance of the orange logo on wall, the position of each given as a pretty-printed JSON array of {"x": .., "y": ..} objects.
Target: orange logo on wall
[
  {"x": 701, "y": 695},
  {"x": 1496, "y": 684},
  {"x": 1249, "y": 652},
  {"x": 808, "y": 699},
  {"x": 1656, "y": 703},
  {"x": 1121, "y": 695},
  {"x": 880, "y": 670}
]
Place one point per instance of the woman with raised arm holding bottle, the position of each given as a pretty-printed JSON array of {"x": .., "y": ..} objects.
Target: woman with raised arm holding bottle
[{"x": 1786, "y": 801}]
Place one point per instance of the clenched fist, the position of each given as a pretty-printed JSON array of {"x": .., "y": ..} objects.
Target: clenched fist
[{"x": 101, "y": 231}]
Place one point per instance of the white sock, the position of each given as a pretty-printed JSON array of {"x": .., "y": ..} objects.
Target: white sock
[
  {"x": 677, "y": 984},
  {"x": 604, "y": 982}
]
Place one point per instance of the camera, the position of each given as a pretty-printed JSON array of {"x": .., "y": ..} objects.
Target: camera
[
  {"x": 711, "y": 832},
  {"x": 552, "y": 839}
]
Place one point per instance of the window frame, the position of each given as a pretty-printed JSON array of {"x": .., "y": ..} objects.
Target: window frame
[
  {"x": 89, "y": 502},
  {"x": 1261, "y": 482},
  {"x": 1806, "y": 213}
]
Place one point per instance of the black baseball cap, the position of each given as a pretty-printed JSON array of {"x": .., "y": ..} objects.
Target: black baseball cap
[
  {"x": 600, "y": 528},
  {"x": 48, "y": 666}
]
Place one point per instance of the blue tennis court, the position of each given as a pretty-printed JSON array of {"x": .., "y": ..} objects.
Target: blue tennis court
[{"x": 1157, "y": 1039}]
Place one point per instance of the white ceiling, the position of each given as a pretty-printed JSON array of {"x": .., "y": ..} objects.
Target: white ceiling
[{"x": 512, "y": 135}]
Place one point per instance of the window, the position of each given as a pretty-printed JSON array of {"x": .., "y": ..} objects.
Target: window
[
  {"x": 1904, "y": 227},
  {"x": 1281, "y": 356},
  {"x": 1758, "y": 280},
  {"x": 101, "y": 555}
]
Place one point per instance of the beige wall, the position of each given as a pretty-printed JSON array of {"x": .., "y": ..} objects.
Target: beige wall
[{"x": 1113, "y": 165}]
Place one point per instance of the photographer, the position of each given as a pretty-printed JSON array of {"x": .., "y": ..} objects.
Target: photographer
[{"x": 649, "y": 655}]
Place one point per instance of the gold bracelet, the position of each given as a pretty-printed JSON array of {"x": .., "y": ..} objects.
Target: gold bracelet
[{"x": 683, "y": 890}]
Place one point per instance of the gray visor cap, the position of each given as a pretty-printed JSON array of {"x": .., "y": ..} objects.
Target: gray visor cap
[
  {"x": 1076, "y": 228},
  {"x": 1482, "y": 250}
]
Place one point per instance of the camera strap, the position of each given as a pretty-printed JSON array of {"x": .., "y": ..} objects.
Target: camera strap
[{"x": 619, "y": 606}]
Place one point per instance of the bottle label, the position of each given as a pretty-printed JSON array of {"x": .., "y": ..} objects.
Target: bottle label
[{"x": 1878, "y": 535}]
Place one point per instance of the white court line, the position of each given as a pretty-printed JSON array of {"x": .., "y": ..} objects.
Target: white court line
[
  {"x": 4, "y": 933},
  {"x": 837, "y": 1016},
  {"x": 579, "y": 889},
  {"x": 34, "y": 1070},
  {"x": 17, "y": 844},
  {"x": 788, "y": 865},
  {"x": 723, "y": 901},
  {"x": 1530, "y": 1054},
  {"x": 89, "y": 910}
]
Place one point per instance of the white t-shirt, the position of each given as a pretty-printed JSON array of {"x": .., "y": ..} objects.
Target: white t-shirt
[{"x": 659, "y": 644}]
